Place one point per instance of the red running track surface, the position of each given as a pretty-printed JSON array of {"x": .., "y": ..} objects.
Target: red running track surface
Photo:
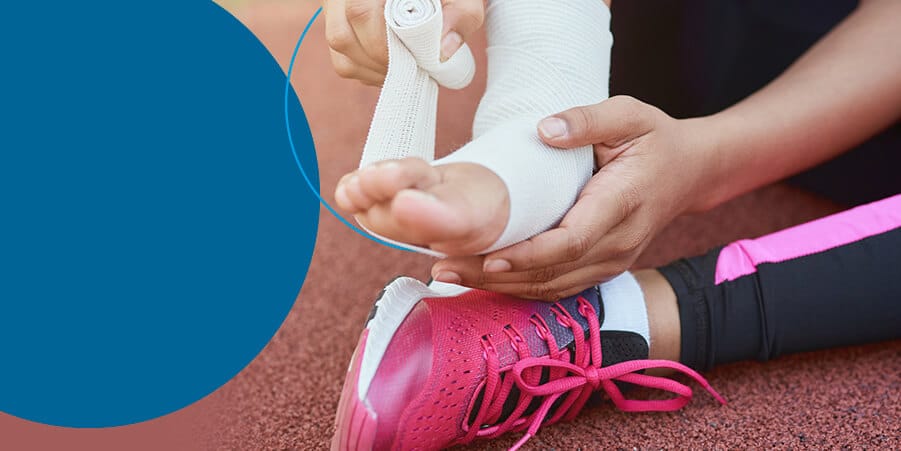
[{"x": 288, "y": 396}]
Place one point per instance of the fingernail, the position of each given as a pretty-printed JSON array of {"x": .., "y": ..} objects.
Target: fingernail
[
  {"x": 450, "y": 44},
  {"x": 552, "y": 127},
  {"x": 448, "y": 277},
  {"x": 499, "y": 265}
]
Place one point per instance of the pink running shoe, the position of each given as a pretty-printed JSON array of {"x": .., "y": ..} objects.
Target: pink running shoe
[{"x": 442, "y": 365}]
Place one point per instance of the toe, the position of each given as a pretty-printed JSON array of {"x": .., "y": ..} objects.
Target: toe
[
  {"x": 382, "y": 181},
  {"x": 342, "y": 200},
  {"x": 426, "y": 218},
  {"x": 380, "y": 219},
  {"x": 358, "y": 198},
  {"x": 458, "y": 209},
  {"x": 464, "y": 213},
  {"x": 341, "y": 197}
]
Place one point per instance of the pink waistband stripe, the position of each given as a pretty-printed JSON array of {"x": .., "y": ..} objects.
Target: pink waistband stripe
[{"x": 742, "y": 257}]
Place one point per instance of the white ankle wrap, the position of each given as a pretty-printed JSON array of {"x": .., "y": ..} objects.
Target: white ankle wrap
[{"x": 543, "y": 57}]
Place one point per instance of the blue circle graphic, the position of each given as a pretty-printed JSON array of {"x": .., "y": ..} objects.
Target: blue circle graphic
[
  {"x": 154, "y": 229},
  {"x": 300, "y": 166}
]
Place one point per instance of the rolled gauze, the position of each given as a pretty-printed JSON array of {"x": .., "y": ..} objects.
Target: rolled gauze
[{"x": 404, "y": 121}]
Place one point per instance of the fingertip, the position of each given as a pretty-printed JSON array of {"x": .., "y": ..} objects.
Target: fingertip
[
  {"x": 463, "y": 16},
  {"x": 496, "y": 265},
  {"x": 451, "y": 42},
  {"x": 372, "y": 83},
  {"x": 553, "y": 129},
  {"x": 468, "y": 267},
  {"x": 448, "y": 277},
  {"x": 372, "y": 78},
  {"x": 436, "y": 268}
]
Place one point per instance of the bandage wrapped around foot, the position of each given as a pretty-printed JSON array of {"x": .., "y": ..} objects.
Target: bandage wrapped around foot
[{"x": 543, "y": 57}]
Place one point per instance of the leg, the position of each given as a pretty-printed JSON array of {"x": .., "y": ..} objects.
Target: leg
[
  {"x": 840, "y": 289},
  {"x": 663, "y": 315},
  {"x": 831, "y": 282},
  {"x": 470, "y": 364},
  {"x": 506, "y": 185}
]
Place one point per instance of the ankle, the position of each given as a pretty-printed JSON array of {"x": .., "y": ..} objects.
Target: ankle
[{"x": 663, "y": 315}]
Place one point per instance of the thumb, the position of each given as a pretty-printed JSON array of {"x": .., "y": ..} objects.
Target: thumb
[
  {"x": 461, "y": 19},
  {"x": 611, "y": 122}
]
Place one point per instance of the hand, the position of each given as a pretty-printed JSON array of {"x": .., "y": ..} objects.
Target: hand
[
  {"x": 651, "y": 170},
  {"x": 355, "y": 31}
]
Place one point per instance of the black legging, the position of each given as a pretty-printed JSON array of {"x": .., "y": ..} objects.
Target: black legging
[{"x": 831, "y": 282}]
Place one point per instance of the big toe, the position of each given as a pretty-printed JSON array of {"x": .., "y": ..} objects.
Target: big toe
[
  {"x": 431, "y": 216},
  {"x": 462, "y": 214}
]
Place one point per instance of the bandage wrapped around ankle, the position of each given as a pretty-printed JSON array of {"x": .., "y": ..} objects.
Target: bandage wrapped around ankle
[{"x": 543, "y": 57}]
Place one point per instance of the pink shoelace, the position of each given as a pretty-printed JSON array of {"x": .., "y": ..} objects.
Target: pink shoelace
[{"x": 576, "y": 381}]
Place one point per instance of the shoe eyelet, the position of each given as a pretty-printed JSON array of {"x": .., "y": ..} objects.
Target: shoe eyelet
[
  {"x": 562, "y": 320},
  {"x": 540, "y": 328},
  {"x": 515, "y": 337},
  {"x": 584, "y": 310},
  {"x": 487, "y": 346}
]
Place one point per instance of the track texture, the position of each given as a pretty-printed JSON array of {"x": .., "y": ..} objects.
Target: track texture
[{"x": 286, "y": 398}]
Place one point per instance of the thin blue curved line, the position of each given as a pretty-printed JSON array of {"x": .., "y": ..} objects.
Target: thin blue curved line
[{"x": 294, "y": 149}]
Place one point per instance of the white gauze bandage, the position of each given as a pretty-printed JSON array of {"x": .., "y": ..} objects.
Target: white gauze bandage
[
  {"x": 543, "y": 57},
  {"x": 404, "y": 121}
]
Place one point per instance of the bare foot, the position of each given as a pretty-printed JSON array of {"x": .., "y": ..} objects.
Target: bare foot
[{"x": 457, "y": 209}]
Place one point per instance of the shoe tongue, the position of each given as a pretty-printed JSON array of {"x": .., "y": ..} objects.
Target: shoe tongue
[{"x": 563, "y": 335}]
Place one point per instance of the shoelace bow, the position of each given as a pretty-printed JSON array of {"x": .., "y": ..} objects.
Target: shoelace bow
[{"x": 576, "y": 380}]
